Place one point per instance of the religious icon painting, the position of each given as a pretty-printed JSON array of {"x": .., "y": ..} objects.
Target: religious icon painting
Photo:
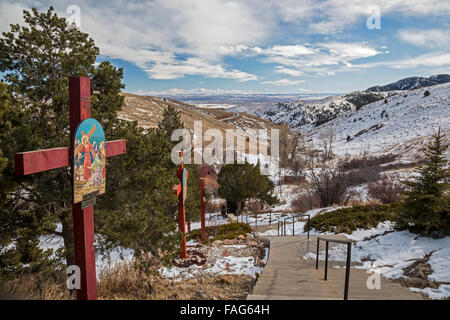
[{"x": 89, "y": 157}]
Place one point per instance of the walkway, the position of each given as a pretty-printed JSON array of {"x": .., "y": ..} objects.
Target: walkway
[{"x": 287, "y": 276}]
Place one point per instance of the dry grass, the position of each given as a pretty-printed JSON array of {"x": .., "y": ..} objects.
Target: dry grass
[
  {"x": 132, "y": 281},
  {"x": 148, "y": 111},
  {"x": 126, "y": 281},
  {"x": 36, "y": 286}
]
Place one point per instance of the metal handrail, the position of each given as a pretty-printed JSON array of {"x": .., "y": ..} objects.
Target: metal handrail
[
  {"x": 348, "y": 262},
  {"x": 293, "y": 223}
]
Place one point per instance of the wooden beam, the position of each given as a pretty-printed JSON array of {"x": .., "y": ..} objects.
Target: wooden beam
[
  {"x": 48, "y": 159},
  {"x": 116, "y": 147},
  {"x": 40, "y": 160}
]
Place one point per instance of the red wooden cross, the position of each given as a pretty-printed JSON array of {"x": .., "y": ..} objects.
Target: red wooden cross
[
  {"x": 43, "y": 160},
  {"x": 180, "y": 191},
  {"x": 202, "y": 207}
]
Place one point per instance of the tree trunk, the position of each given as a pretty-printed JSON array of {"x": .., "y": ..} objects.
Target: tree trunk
[{"x": 238, "y": 208}]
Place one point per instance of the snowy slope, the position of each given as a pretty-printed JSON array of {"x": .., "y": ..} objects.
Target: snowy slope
[
  {"x": 301, "y": 113},
  {"x": 413, "y": 83},
  {"x": 402, "y": 125}
]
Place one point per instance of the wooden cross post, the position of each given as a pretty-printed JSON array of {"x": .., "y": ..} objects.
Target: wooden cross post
[
  {"x": 181, "y": 191},
  {"x": 43, "y": 160},
  {"x": 202, "y": 207}
]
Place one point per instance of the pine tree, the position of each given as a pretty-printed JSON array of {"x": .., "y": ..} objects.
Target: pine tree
[
  {"x": 137, "y": 210},
  {"x": 170, "y": 122},
  {"x": 240, "y": 182},
  {"x": 426, "y": 209},
  {"x": 4, "y": 102}
]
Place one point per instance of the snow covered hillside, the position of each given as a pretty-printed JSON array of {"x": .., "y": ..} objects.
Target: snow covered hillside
[
  {"x": 400, "y": 124},
  {"x": 413, "y": 83},
  {"x": 301, "y": 113}
]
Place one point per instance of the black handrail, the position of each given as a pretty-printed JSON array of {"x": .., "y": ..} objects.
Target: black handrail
[
  {"x": 347, "y": 267},
  {"x": 293, "y": 223}
]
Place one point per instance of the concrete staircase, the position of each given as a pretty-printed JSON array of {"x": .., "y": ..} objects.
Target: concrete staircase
[{"x": 287, "y": 276}]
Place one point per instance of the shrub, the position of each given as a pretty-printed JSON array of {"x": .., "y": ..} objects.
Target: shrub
[
  {"x": 254, "y": 205},
  {"x": 385, "y": 190},
  {"x": 348, "y": 220},
  {"x": 225, "y": 231},
  {"x": 364, "y": 162},
  {"x": 329, "y": 185},
  {"x": 212, "y": 206},
  {"x": 363, "y": 175},
  {"x": 305, "y": 201}
]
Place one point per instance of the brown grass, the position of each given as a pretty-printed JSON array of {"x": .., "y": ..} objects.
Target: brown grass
[
  {"x": 127, "y": 281},
  {"x": 36, "y": 286},
  {"x": 132, "y": 281}
]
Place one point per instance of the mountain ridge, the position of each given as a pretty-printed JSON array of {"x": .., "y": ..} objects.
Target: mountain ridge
[{"x": 411, "y": 83}]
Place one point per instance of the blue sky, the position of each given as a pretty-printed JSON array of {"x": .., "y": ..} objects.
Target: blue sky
[{"x": 256, "y": 46}]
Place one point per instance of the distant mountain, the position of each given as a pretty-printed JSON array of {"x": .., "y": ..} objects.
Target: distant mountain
[
  {"x": 315, "y": 113},
  {"x": 401, "y": 124},
  {"x": 412, "y": 83}
]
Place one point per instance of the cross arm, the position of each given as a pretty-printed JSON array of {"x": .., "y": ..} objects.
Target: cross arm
[{"x": 42, "y": 160}]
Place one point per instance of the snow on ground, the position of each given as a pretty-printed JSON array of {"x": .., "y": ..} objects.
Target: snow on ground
[
  {"x": 298, "y": 226},
  {"x": 399, "y": 126},
  {"x": 220, "y": 260},
  {"x": 101, "y": 261},
  {"x": 211, "y": 219},
  {"x": 391, "y": 251},
  {"x": 440, "y": 293}
]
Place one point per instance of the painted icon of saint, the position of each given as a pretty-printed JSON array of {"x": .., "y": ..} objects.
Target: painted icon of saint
[{"x": 87, "y": 147}]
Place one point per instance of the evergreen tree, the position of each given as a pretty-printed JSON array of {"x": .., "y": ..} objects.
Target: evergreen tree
[
  {"x": 139, "y": 209},
  {"x": 4, "y": 102},
  {"x": 170, "y": 122},
  {"x": 426, "y": 209},
  {"x": 239, "y": 182},
  {"x": 136, "y": 211}
]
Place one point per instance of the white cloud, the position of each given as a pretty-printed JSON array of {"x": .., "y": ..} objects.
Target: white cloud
[
  {"x": 290, "y": 51},
  {"x": 283, "y": 82},
  {"x": 194, "y": 66},
  {"x": 171, "y": 39},
  {"x": 428, "y": 60},
  {"x": 332, "y": 16},
  {"x": 291, "y": 72},
  {"x": 167, "y": 38},
  {"x": 322, "y": 58},
  {"x": 432, "y": 38},
  {"x": 349, "y": 50}
]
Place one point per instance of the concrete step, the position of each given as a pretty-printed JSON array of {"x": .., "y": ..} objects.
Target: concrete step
[{"x": 288, "y": 276}]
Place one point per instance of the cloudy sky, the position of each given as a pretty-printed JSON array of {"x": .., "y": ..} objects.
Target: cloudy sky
[{"x": 260, "y": 46}]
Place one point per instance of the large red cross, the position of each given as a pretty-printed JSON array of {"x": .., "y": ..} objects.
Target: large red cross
[{"x": 43, "y": 160}]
